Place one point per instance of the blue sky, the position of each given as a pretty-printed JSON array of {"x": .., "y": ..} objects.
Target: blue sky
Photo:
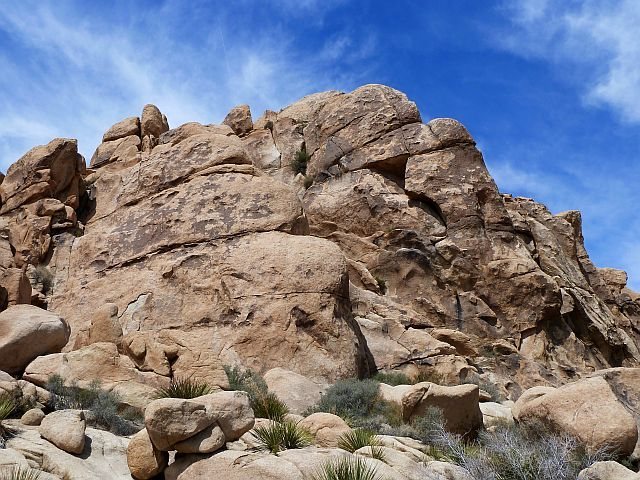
[{"x": 549, "y": 89}]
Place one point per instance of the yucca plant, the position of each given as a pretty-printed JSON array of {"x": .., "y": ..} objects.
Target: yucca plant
[
  {"x": 7, "y": 406},
  {"x": 347, "y": 468},
  {"x": 280, "y": 436},
  {"x": 20, "y": 473},
  {"x": 184, "y": 388},
  {"x": 359, "y": 438}
]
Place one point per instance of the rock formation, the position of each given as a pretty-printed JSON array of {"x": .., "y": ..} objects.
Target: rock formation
[{"x": 340, "y": 236}]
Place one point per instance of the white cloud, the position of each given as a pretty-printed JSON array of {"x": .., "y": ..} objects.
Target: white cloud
[
  {"x": 78, "y": 74},
  {"x": 595, "y": 41}
]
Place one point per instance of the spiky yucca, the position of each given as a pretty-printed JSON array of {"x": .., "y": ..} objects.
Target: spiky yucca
[
  {"x": 19, "y": 473},
  {"x": 184, "y": 388},
  {"x": 346, "y": 468},
  {"x": 280, "y": 436},
  {"x": 359, "y": 438}
]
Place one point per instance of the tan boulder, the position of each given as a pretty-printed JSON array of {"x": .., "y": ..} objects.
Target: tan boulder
[
  {"x": 144, "y": 460},
  {"x": 296, "y": 391},
  {"x": 152, "y": 122},
  {"x": 326, "y": 428},
  {"x": 190, "y": 129},
  {"x": 232, "y": 411},
  {"x": 232, "y": 465},
  {"x": 65, "y": 429},
  {"x": 239, "y": 119},
  {"x": 587, "y": 410},
  {"x": 608, "y": 471},
  {"x": 106, "y": 459},
  {"x": 50, "y": 170},
  {"x": 27, "y": 332},
  {"x": 460, "y": 405},
  {"x": 32, "y": 417},
  {"x": 124, "y": 128},
  {"x": 207, "y": 441},
  {"x": 495, "y": 414},
  {"x": 121, "y": 150},
  {"x": 172, "y": 420},
  {"x": 100, "y": 361}
]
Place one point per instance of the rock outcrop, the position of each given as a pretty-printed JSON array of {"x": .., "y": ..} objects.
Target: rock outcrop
[{"x": 340, "y": 236}]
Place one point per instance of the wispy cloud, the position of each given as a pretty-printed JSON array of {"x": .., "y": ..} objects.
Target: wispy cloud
[
  {"x": 594, "y": 41},
  {"x": 71, "y": 74}
]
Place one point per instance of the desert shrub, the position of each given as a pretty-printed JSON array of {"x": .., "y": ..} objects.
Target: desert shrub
[
  {"x": 359, "y": 438},
  {"x": 346, "y": 468},
  {"x": 515, "y": 453},
  {"x": 184, "y": 388},
  {"x": 392, "y": 378},
  {"x": 351, "y": 399},
  {"x": 279, "y": 436},
  {"x": 265, "y": 404},
  {"x": 101, "y": 407},
  {"x": 7, "y": 407},
  {"x": 301, "y": 160},
  {"x": 382, "y": 285},
  {"x": 18, "y": 472},
  {"x": 44, "y": 277}
]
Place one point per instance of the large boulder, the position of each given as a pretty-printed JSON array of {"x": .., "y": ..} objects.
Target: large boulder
[
  {"x": 106, "y": 459},
  {"x": 232, "y": 412},
  {"x": 608, "y": 471},
  {"x": 172, "y": 420},
  {"x": 65, "y": 429},
  {"x": 587, "y": 410},
  {"x": 102, "y": 362},
  {"x": 460, "y": 405},
  {"x": 239, "y": 119},
  {"x": 326, "y": 428},
  {"x": 295, "y": 390},
  {"x": 153, "y": 122},
  {"x": 46, "y": 171},
  {"x": 26, "y": 332},
  {"x": 145, "y": 461}
]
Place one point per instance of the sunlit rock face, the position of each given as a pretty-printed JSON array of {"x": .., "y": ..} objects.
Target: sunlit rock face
[{"x": 338, "y": 236}]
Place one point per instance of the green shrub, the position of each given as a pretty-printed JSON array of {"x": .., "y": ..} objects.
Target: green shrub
[
  {"x": 280, "y": 436},
  {"x": 346, "y": 468},
  {"x": 7, "y": 406},
  {"x": 382, "y": 285},
  {"x": 359, "y": 438},
  {"x": 265, "y": 404},
  {"x": 18, "y": 472},
  {"x": 392, "y": 378},
  {"x": 351, "y": 399},
  {"x": 184, "y": 388},
  {"x": 101, "y": 407},
  {"x": 428, "y": 376},
  {"x": 301, "y": 160}
]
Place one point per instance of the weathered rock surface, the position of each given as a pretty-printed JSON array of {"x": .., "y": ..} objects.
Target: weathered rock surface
[
  {"x": 104, "y": 456},
  {"x": 295, "y": 390},
  {"x": 326, "y": 428},
  {"x": 460, "y": 404},
  {"x": 608, "y": 471},
  {"x": 589, "y": 410},
  {"x": 172, "y": 420},
  {"x": 184, "y": 250},
  {"x": 27, "y": 332},
  {"x": 65, "y": 429},
  {"x": 100, "y": 361},
  {"x": 145, "y": 461}
]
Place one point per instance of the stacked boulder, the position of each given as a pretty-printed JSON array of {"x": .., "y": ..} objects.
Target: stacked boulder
[{"x": 188, "y": 426}]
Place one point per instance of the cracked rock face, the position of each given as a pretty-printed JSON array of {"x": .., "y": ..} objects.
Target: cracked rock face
[{"x": 335, "y": 237}]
